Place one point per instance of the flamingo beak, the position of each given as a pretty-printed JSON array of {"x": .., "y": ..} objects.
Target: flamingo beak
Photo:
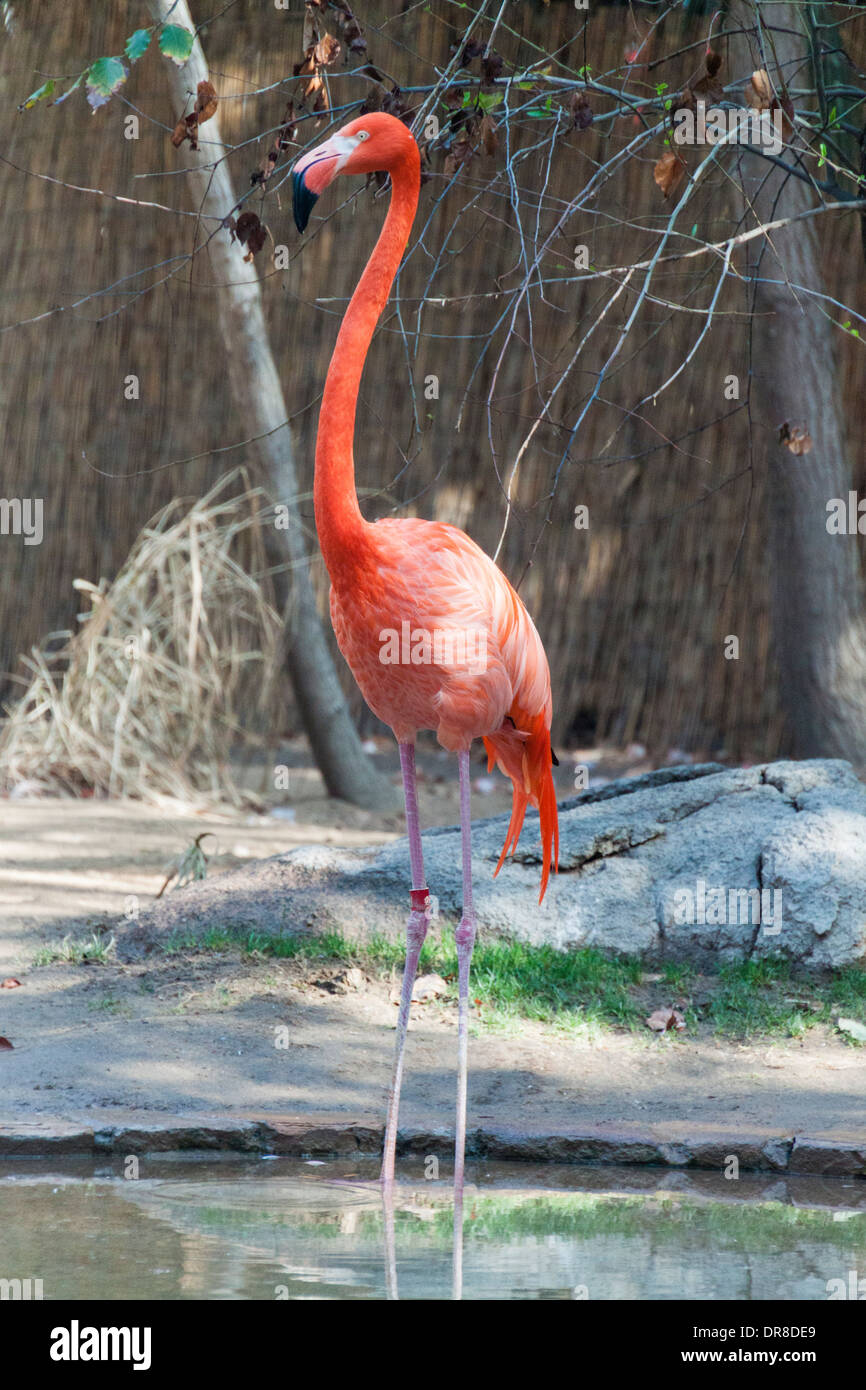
[
  {"x": 314, "y": 171},
  {"x": 308, "y": 183}
]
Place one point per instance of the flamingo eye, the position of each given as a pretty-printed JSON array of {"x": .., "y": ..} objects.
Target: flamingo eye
[{"x": 363, "y": 134}]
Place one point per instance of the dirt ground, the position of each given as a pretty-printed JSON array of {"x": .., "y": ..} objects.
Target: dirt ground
[{"x": 184, "y": 1035}]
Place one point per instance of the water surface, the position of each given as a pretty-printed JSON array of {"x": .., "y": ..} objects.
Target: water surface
[{"x": 286, "y": 1229}]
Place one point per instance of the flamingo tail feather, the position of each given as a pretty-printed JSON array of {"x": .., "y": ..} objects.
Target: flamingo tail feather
[{"x": 522, "y": 749}]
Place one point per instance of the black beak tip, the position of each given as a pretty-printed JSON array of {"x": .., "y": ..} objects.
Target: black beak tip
[{"x": 302, "y": 201}]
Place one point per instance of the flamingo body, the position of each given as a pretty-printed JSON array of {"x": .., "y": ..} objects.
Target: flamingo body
[
  {"x": 419, "y": 580},
  {"x": 433, "y": 577}
]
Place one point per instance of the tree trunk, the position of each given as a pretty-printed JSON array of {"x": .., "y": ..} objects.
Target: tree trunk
[
  {"x": 260, "y": 409},
  {"x": 817, "y": 584}
]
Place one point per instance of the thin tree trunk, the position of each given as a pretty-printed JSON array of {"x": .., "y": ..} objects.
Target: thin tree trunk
[
  {"x": 817, "y": 584},
  {"x": 261, "y": 409}
]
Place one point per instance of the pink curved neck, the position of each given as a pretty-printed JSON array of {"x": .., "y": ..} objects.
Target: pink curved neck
[{"x": 339, "y": 522}]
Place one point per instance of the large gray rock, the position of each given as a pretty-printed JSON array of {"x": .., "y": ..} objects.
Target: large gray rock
[{"x": 687, "y": 862}]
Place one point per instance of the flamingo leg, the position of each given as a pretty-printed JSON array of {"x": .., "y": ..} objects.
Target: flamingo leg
[
  {"x": 416, "y": 931},
  {"x": 465, "y": 938}
]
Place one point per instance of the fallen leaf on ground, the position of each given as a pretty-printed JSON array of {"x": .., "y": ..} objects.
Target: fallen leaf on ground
[
  {"x": 5, "y": 1045},
  {"x": 664, "y": 1019},
  {"x": 10, "y": 983}
]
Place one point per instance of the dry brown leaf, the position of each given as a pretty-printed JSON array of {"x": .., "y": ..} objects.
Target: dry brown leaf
[
  {"x": 581, "y": 111},
  {"x": 471, "y": 50},
  {"x": 205, "y": 102},
  {"x": 395, "y": 104},
  {"x": 669, "y": 172},
  {"x": 10, "y": 983},
  {"x": 489, "y": 137},
  {"x": 707, "y": 86},
  {"x": 491, "y": 68},
  {"x": 354, "y": 36},
  {"x": 251, "y": 233},
  {"x": 5, "y": 1045},
  {"x": 205, "y": 107},
  {"x": 684, "y": 102},
  {"x": 709, "y": 90},
  {"x": 759, "y": 90},
  {"x": 760, "y": 96},
  {"x": 796, "y": 438},
  {"x": 662, "y": 1020},
  {"x": 326, "y": 51},
  {"x": 460, "y": 153}
]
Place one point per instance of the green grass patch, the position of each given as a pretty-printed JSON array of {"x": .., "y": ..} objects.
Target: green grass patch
[
  {"x": 86, "y": 950},
  {"x": 581, "y": 991},
  {"x": 769, "y": 997}
]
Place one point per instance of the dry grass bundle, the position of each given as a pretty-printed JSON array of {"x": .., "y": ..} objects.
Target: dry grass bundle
[{"x": 175, "y": 662}]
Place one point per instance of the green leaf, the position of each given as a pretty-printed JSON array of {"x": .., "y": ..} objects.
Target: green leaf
[
  {"x": 69, "y": 90},
  {"x": 137, "y": 44},
  {"x": 40, "y": 94},
  {"x": 822, "y": 161},
  {"x": 103, "y": 80},
  {"x": 176, "y": 43}
]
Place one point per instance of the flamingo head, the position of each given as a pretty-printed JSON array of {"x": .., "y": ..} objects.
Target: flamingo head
[{"x": 366, "y": 145}]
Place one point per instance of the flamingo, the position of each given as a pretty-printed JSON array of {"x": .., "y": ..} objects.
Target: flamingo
[{"x": 434, "y": 634}]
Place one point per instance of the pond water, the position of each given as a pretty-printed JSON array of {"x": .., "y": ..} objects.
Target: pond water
[{"x": 262, "y": 1229}]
